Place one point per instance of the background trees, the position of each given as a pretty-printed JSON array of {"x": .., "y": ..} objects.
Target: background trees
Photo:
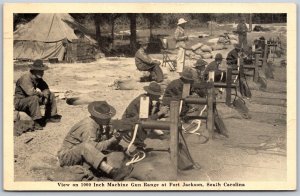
[{"x": 103, "y": 26}]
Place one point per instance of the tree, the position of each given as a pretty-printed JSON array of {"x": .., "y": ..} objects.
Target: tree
[{"x": 133, "y": 44}]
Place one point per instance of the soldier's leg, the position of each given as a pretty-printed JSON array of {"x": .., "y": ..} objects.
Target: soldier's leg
[
  {"x": 87, "y": 153},
  {"x": 159, "y": 75},
  {"x": 51, "y": 107},
  {"x": 180, "y": 59},
  {"x": 79, "y": 154},
  {"x": 30, "y": 105}
]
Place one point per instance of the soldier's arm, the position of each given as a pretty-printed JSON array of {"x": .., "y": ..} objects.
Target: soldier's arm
[
  {"x": 43, "y": 86},
  {"x": 144, "y": 57},
  {"x": 27, "y": 86},
  {"x": 89, "y": 134},
  {"x": 179, "y": 37}
]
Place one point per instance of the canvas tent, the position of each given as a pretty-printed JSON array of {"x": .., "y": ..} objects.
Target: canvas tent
[{"x": 43, "y": 37}]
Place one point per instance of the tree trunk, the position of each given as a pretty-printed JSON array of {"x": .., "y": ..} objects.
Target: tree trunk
[
  {"x": 97, "y": 27},
  {"x": 133, "y": 45},
  {"x": 151, "y": 24},
  {"x": 250, "y": 23},
  {"x": 112, "y": 22}
]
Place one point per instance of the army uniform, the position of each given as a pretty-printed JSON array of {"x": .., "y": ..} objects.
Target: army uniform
[
  {"x": 28, "y": 99},
  {"x": 143, "y": 62},
  {"x": 85, "y": 142}
]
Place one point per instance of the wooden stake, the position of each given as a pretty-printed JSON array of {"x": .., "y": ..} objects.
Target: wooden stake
[
  {"x": 256, "y": 63},
  {"x": 228, "y": 85},
  {"x": 174, "y": 118},
  {"x": 210, "y": 104},
  {"x": 265, "y": 57}
]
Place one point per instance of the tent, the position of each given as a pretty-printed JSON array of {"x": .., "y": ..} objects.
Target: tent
[{"x": 44, "y": 36}]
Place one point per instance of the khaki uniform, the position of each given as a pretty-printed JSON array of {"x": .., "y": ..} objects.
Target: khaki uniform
[
  {"x": 85, "y": 142},
  {"x": 180, "y": 45},
  {"x": 143, "y": 62},
  {"x": 132, "y": 114},
  {"x": 242, "y": 32},
  {"x": 28, "y": 99}
]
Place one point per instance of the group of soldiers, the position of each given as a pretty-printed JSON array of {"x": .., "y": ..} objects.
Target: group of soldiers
[{"x": 90, "y": 139}]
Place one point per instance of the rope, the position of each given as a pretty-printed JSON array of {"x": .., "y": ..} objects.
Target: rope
[
  {"x": 180, "y": 106},
  {"x": 136, "y": 158},
  {"x": 133, "y": 138},
  {"x": 195, "y": 121}
]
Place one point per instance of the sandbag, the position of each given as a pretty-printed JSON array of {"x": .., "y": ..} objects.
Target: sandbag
[
  {"x": 188, "y": 53},
  {"x": 233, "y": 42},
  {"x": 196, "y": 46},
  {"x": 206, "y": 48},
  {"x": 23, "y": 126},
  {"x": 128, "y": 84},
  {"x": 217, "y": 47},
  {"x": 232, "y": 37},
  {"x": 222, "y": 40},
  {"x": 207, "y": 55}
]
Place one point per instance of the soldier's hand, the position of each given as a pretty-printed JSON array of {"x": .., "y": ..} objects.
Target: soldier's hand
[
  {"x": 46, "y": 100},
  {"x": 163, "y": 110},
  {"x": 46, "y": 93},
  {"x": 118, "y": 135}
]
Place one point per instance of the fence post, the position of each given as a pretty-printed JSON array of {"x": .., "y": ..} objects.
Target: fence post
[
  {"x": 210, "y": 108},
  {"x": 228, "y": 85},
  {"x": 174, "y": 134},
  {"x": 256, "y": 63}
]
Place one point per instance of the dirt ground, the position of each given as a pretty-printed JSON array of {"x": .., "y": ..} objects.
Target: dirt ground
[{"x": 254, "y": 151}]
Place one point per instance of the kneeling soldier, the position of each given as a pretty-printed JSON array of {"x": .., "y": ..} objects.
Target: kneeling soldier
[
  {"x": 155, "y": 112},
  {"x": 89, "y": 138}
]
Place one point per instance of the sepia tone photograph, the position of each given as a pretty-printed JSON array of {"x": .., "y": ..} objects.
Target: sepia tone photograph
[{"x": 150, "y": 100}]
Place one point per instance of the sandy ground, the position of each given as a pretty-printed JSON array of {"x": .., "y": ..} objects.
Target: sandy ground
[{"x": 255, "y": 150}]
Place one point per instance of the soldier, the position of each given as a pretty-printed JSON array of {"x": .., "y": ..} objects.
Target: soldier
[
  {"x": 180, "y": 38},
  {"x": 143, "y": 62},
  {"x": 87, "y": 141},
  {"x": 233, "y": 55},
  {"x": 28, "y": 99},
  {"x": 242, "y": 30},
  {"x": 200, "y": 68},
  {"x": 175, "y": 89},
  {"x": 154, "y": 92},
  {"x": 214, "y": 66}
]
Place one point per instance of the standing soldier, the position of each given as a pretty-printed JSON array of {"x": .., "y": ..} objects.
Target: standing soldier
[
  {"x": 242, "y": 30},
  {"x": 28, "y": 99},
  {"x": 180, "y": 44}
]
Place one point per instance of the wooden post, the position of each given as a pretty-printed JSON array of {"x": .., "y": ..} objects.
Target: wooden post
[
  {"x": 265, "y": 57},
  {"x": 210, "y": 108},
  {"x": 250, "y": 23},
  {"x": 174, "y": 134},
  {"x": 228, "y": 85},
  {"x": 256, "y": 63}
]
